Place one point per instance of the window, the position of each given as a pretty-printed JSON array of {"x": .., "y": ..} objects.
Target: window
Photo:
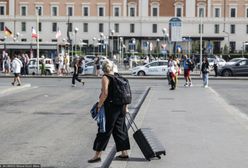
[
  {"x": 40, "y": 26},
  {"x": 69, "y": 11},
  {"x": 217, "y": 12},
  {"x": 101, "y": 28},
  {"x": 85, "y": 11},
  {"x": 132, "y": 11},
  {"x": 116, "y": 11},
  {"x": 54, "y": 40},
  {"x": 54, "y": 27},
  {"x": 232, "y": 29},
  {"x": 23, "y": 40},
  {"x": 179, "y": 12},
  {"x": 100, "y": 11},
  {"x": 246, "y": 29},
  {"x": 116, "y": 27},
  {"x": 216, "y": 29},
  {"x": 201, "y": 12},
  {"x": 23, "y": 11},
  {"x": 1, "y": 26},
  {"x": 2, "y": 10},
  {"x": 154, "y": 11},
  {"x": 232, "y": 46},
  {"x": 233, "y": 12},
  {"x": 132, "y": 28},
  {"x": 85, "y": 28},
  {"x": 154, "y": 28},
  {"x": 201, "y": 28},
  {"x": 23, "y": 26},
  {"x": 247, "y": 12},
  {"x": 54, "y": 11}
]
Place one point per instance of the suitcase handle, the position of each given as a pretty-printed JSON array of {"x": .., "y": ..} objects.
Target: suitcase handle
[{"x": 130, "y": 121}]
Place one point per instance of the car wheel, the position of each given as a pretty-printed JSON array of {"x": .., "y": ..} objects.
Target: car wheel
[
  {"x": 227, "y": 72},
  {"x": 141, "y": 73}
]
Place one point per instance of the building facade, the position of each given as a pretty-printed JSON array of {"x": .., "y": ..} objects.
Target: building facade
[{"x": 224, "y": 22}]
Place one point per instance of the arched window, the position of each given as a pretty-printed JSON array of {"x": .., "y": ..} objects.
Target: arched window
[
  {"x": 201, "y": 9},
  {"x": 155, "y": 9},
  {"x": 178, "y": 9},
  {"x": 132, "y": 9}
]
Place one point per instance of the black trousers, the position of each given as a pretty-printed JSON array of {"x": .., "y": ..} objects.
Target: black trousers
[
  {"x": 75, "y": 77},
  {"x": 115, "y": 125}
]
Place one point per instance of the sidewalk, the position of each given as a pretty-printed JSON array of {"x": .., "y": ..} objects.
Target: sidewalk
[{"x": 196, "y": 126}]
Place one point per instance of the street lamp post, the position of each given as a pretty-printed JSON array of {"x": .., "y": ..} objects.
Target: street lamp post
[
  {"x": 164, "y": 30},
  {"x": 158, "y": 40},
  {"x": 94, "y": 39},
  {"x": 38, "y": 40},
  {"x": 75, "y": 40},
  {"x": 201, "y": 27},
  {"x": 121, "y": 50},
  {"x": 112, "y": 51}
]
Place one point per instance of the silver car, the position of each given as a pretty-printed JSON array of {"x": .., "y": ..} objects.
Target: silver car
[{"x": 235, "y": 69}]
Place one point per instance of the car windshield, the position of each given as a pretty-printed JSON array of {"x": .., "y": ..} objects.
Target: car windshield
[{"x": 234, "y": 60}]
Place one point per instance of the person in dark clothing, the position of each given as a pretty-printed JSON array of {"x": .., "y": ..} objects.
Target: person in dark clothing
[
  {"x": 205, "y": 71},
  {"x": 77, "y": 67},
  {"x": 115, "y": 119},
  {"x": 97, "y": 65}
]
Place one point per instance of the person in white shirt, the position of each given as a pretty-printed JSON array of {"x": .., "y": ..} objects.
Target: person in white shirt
[
  {"x": 172, "y": 69},
  {"x": 16, "y": 68}
]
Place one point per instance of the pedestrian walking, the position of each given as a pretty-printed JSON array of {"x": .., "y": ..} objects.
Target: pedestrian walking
[
  {"x": 172, "y": 66},
  {"x": 97, "y": 65},
  {"x": 16, "y": 68},
  {"x": 67, "y": 64},
  {"x": 6, "y": 63},
  {"x": 205, "y": 71},
  {"x": 77, "y": 67},
  {"x": 186, "y": 66},
  {"x": 216, "y": 67},
  {"x": 115, "y": 118}
]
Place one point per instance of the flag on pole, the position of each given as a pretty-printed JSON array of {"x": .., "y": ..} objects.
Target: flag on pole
[
  {"x": 34, "y": 34},
  {"x": 58, "y": 33},
  {"x": 7, "y": 31}
]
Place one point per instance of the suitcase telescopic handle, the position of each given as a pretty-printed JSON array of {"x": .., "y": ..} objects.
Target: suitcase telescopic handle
[{"x": 130, "y": 121}]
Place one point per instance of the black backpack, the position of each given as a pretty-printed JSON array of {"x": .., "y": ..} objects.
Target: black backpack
[
  {"x": 121, "y": 91},
  {"x": 191, "y": 65}
]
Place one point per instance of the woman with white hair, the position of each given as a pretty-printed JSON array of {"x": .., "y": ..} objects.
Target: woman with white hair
[{"x": 114, "y": 116}]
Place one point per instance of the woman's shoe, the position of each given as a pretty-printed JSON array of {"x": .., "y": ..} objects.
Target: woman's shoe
[{"x": 94, "y": 160}]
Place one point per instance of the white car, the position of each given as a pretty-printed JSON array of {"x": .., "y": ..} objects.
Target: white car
[
  {"x": 89, "y": 58},
  {"x": 159, "y": 67},
  {"x": 49, "y": 66},
  {"x": 89, "y": 68}
]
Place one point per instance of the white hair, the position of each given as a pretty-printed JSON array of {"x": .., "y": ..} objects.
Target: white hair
[{"x": 107, "y": 66}]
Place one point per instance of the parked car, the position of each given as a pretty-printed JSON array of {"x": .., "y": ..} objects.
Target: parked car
[
  {"x": 238, "y": 68},
  {"x": 221, "y": 62},
  {"x": 49, "y": 66},
  {"x": 89, "y": 68},
  {"x": 89, "y": 58},
  {"x": 159, "y": 67},
  {"x": 234, "y": 60}
]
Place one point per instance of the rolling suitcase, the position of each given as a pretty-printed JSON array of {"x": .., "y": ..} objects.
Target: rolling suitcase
[{"x": 148, "y": 143}]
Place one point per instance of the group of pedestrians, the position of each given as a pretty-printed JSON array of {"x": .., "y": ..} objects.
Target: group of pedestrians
[{"x": 174, "y": 70}]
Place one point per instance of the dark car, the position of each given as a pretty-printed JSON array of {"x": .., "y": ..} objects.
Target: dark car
[{"x": 235, "y": 69}]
